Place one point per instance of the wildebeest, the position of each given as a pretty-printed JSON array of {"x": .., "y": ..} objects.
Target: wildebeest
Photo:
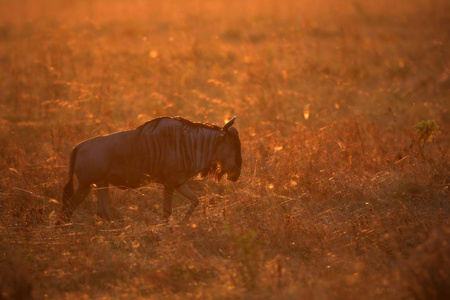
[{"x": 167, "y": 150}]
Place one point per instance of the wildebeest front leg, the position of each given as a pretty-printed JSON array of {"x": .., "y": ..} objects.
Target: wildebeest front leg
[
  {"x": 103, "y": 202},
  {"x": 71, "y": 204},
  {"x": 185, "y": 191},
  {"x": 167, "y": 205}
]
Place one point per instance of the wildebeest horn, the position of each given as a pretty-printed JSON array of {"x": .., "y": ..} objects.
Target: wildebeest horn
[{"x": 229, "y": 124}]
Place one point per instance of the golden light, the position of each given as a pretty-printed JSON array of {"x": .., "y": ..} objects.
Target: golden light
[
  {"x": 153, "y": 54},
  {"x": 133, "y": 207},
  {"x": 306, "y": 111}
]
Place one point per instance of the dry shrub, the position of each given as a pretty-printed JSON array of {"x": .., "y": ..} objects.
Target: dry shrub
[{"x": 247, "y": 257}]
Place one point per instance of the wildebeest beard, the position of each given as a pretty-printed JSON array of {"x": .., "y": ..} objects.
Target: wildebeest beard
[{"x": 214, "y": 170}]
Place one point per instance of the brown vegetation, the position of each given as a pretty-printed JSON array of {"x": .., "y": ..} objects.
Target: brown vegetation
[{"x": 343, "y": 112}]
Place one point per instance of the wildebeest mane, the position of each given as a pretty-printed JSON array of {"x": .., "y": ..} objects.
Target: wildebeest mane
[{"x": 182, "y": 120}]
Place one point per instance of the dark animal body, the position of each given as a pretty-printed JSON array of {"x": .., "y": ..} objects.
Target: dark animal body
[{"x": 165, "y": 150}]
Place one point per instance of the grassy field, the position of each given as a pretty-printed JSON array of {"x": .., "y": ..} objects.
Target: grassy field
[{"x": 343, "y": 112}]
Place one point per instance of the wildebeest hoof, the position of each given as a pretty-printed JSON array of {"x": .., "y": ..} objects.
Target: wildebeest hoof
[
  {"x": 104, "y": 216},
  {"x": 62, "y": 219}
]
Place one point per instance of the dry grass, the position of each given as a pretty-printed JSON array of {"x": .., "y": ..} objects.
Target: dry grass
[{"x": 341, "y": 197}]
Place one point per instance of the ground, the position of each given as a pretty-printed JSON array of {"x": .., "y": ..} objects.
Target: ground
[{"x": 343, "y": 112}]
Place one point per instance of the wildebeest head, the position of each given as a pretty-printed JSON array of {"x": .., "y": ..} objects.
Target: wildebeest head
[{"x": 229, "y": 151}]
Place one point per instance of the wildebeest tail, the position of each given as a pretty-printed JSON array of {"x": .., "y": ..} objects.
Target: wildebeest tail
[{"x": 68, "y": 188}]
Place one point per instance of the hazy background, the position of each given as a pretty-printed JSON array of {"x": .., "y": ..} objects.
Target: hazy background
[{"x": 343, "y": 112}]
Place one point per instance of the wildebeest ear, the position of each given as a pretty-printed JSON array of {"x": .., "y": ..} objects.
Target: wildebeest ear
[{"x": 229, "y": 124}]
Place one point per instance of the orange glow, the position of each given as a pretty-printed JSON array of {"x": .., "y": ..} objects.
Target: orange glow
[
  {"x": 306, "y": 111},
  {"x": 153, "y": 54},
  {"x": 342, "y": 108}
]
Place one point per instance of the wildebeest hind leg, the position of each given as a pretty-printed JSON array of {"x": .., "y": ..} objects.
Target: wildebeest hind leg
[
  {"x": 103, "y": 202},
  {"x": 71, "y": 204},
  {"x": 167, "y": 204},
  {"x": 185, "y": 191}
]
